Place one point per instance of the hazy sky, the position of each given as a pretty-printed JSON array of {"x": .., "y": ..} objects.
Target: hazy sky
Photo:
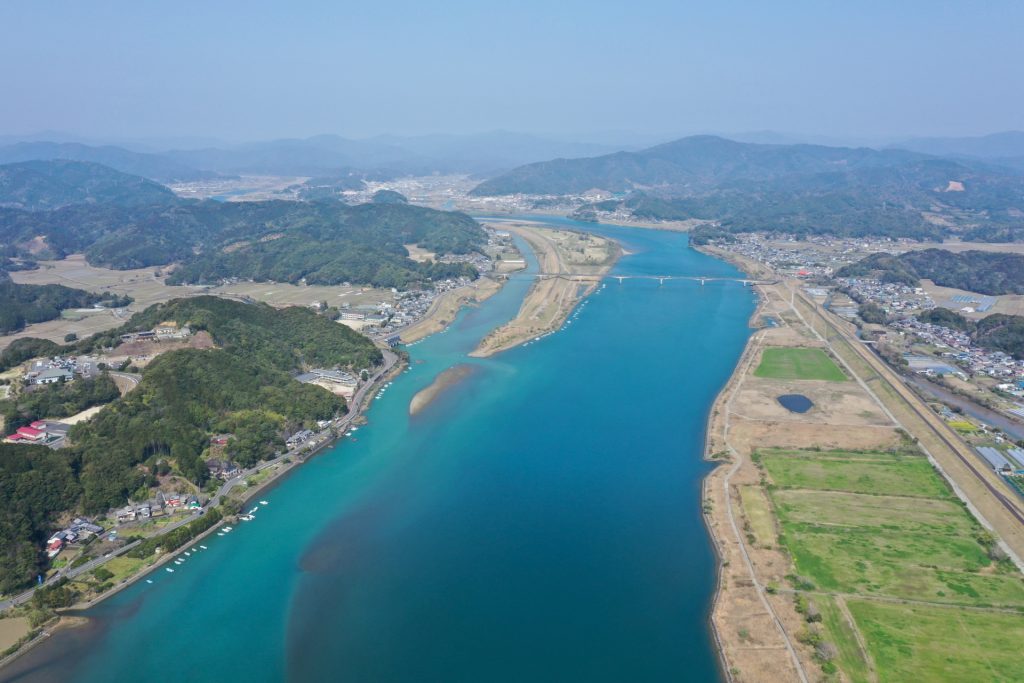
[{"x": 252, "y": 69}]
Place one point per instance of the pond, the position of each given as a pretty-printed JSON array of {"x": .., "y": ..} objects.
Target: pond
[{"x": 795, "y": 403}]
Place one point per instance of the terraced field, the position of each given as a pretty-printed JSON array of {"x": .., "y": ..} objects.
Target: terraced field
[{"x": 882, "y": 535}]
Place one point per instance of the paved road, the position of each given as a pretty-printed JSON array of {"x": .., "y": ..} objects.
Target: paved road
[{"x": 355, "y": 410}]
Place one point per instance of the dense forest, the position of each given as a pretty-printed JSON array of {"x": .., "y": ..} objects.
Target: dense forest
[
  {"x": 244, "y": 387},
  {"x": 43, "y": 185},
  {"x": 36, "y": 483},
  {"x": 324, "y": 242},
  {"x": 983, "y": 272},
  {"x": 21, "y": 305},
  {"x": 996, "y": 332},
  {"x": 802, "y": 189}
]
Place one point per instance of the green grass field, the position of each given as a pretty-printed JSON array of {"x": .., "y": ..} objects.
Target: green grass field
[
  {"x": 939, "y": 644},
  {"x": 886, "y": 525},
  {"x": 850, "y": 660},
  {"x": 794, "y": 363},
  {"x": 759, "y": 514},
  {"x": 882, "y": 473}
]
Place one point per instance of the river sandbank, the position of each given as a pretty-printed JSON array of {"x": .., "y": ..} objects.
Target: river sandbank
[
  {"x": 442, "y": 382},
  {"x": 571, "y": 266}
]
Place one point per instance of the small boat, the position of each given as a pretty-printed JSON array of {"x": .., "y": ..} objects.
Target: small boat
[
  {"x": 254, "y": 509},
  {"x": 170, "y": 570},
  {"x": 188, "y": 554},
  {"x": 220, "y": 533},
  {"x": 194, "y": 550},
  {"x": 264, "y": 502},
  {"x": 203, "y": 547},
  {"x": 149, "y": 580}
]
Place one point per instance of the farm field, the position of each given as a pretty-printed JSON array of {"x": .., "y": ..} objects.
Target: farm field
[
  {"x": 759, "y": 514},
  {"x": 798, "y": 363},
  {"x": 939, "y": 644},
  {"x": 871, "y": 529}
]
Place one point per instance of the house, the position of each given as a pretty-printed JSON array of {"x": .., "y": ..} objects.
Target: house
[
  {"x": 166, "y": 329},
  {"x": 31, "y": 434},
  {"x": 52, "y": 376},
  {"x": 145, "y": 511},
  {"x": 126, "y": 514}
]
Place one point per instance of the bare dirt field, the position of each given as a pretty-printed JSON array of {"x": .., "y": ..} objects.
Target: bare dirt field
[
  {"x": 12, "y": 630},
  {"x": 145, "y": 285}
]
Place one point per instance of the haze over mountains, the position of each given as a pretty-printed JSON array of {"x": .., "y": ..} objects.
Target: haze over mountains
[{"x": 481, "y": 154}]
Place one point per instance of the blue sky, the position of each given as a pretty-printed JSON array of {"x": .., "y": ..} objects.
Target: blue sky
[{"x": 253, "y": 70}]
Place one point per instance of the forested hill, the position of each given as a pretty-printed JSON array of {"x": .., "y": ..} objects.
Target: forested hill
[
  {"x": 790, "y": 188},
  {"x": 152, "y": 166},
  {"x": 287, "y": 339},
  {"x": 322, "y": 242},
  {"x": 698, "y": 162},
  {"x": 21, "y": 305},
  {"x": 984, "y": 272},
  {"x": 43, "y": 185},
  {"x": 244, "y": 388}
]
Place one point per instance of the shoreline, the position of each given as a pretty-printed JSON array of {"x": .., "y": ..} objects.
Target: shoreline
[
  {"x": 562, "y": 286},
  {"x": 70, "y": 617},
  {"x": 723, "y": 465}
]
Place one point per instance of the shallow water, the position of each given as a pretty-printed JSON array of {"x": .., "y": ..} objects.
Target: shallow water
[{"x": 539, "y": 520}]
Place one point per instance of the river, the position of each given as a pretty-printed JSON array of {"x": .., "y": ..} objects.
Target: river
[{"x": 539, "y": 521}]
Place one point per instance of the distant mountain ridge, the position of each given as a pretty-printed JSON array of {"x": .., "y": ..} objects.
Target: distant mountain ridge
[
  {"x": 695, "y": 162},
  {"x": 152, "y": 166},
  {"x": 45, "y": 185}
]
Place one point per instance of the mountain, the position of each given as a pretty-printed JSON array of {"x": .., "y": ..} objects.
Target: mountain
[
  {"x": 490, "y": 152},
  {"x": 321, "y": 155},
  {"x": 695, "y": 162},
  {"x": 325, "y": 155},
  {"x": 789, "y": 188},
  {"x": 152, "y": 166},
  {"x": 995, "y": 146},
  {"x": 43, "y": 185}
]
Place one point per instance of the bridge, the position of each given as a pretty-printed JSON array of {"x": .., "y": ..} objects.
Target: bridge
[{"x": 660, "y": 278}]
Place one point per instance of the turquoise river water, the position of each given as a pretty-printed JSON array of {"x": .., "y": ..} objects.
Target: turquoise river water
[{"x": 539, "y": 521}]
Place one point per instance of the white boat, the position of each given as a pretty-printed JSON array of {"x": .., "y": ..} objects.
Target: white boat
[
  {"x": 220, "y": 533},
  {"x": 188, "y": 554},
  {"x": 264, "y": 502},
  {"x": 194, "y": 550},
  {"x": 149, "y": 580},
  {"x": 170, "y": 570},
  {"x": 203, "y": 547}
]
